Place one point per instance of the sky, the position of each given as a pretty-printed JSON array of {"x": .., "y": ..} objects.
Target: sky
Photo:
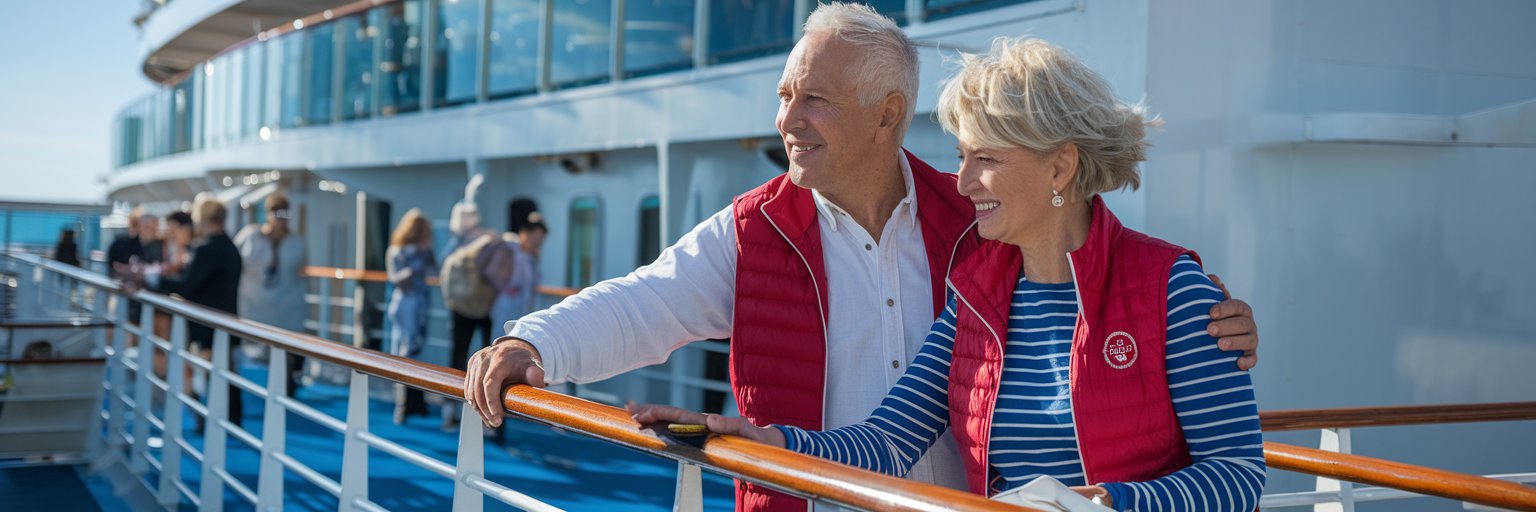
[{"x": 66, "y": 68}]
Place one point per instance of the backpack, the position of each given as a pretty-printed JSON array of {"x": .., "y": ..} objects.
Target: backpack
[{"x": 465, "y": 289}]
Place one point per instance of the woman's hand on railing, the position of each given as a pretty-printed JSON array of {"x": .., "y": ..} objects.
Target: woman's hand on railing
[
  {"x": 506, "y": 362},
  {"x": 648, "y": 414}
]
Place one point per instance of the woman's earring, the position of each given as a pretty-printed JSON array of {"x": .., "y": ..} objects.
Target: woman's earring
[{"x": 1056, "y": 199}]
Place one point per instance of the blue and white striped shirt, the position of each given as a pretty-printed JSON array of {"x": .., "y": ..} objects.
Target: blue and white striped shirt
[{"x": 1032, "y": 430}]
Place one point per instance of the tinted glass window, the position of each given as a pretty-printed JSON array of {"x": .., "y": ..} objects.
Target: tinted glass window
[
  {"x": 458, "y": 51},
  {"x": 581, "y": 256},
  {"x": 320, "y": 45},
  {"x": 357, "y": 40},
  {"x": 514, "y": 44},
  {"x": 399, "y": 26},
  {"x": 581, "y": 48},
  {"x": 742, "y": 29},
  {"x": 658, "y": 36}
]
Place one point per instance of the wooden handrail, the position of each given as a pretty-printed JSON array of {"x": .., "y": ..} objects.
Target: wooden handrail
[
  {"x": 379, "y": 276},
  {"x": 1313, "y": 419},
  {"x": 793, "y": 472},
  {"x": 1397, "y": 475}
]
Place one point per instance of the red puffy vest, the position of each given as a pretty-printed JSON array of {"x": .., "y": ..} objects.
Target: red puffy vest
[
  {"x": 778, "y": 338},
  {"x": 1126, "y": 427}
]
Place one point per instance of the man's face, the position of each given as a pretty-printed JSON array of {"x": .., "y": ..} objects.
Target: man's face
[
  {"x": 148, "y": 227},
  {"x": 826, "y": 132}
]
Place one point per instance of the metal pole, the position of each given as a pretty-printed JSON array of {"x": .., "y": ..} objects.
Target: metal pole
[
  {"x": 170, "y": 454},
  {"x": 471, "y": 462},
  {"x": 354, "y": 452},
  {"x": 212, "y": 492},
  {"x": 142, "y": 395},
  {"x": 269, "y": 493},
  {"x": 359, "y": 294}
]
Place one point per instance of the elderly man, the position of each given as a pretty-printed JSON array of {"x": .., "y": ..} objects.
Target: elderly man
[{"x": 825, "y": 279}]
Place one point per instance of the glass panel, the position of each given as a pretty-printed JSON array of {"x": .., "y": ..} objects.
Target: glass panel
[
  {"x": 893, "y": 9},
  {"x": 320, "y": 46},
  {"x": 742, "y": 29},
  {"x": 272, "y": 105},
  {"x": 658, "y": 36},
  {"x": 458, "y": 51},
  {"x": 581, "y": 265},
  {"x": 939, "y": 9},
  {"x": 253, "y": 94},
  {"x": 650, "y": 230},
  {"x": 399, "y": 56},
  {"x": 357, "y": 39},
  {"x": 581, "y": 48},
  {"x": 293, "y": 79},
  {"x": 514, "y": 47},
  {"x": 184, "y": 98}
]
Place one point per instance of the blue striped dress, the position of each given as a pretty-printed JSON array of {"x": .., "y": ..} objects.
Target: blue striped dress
[{"x": 1032, "y": 430}]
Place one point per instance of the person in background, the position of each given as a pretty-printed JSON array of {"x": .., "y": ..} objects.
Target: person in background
[
  {"x": 517, "y": 289},
  {"x": 65, "y": 251},
  {"x": 1070, "y": 346},
  {"x": 466, "y": 316},
  {"x": 409, "y": 261},
  {"x": 150, "y": 240},
  {"x": 272, "y": 280},
  {"x": 177, "y": 243},
  {"x": 211, "y": 277},
  {"x": 127, "y": 249}
]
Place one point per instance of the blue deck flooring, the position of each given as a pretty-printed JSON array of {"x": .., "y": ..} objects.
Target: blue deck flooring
[{"x": 566, "y": 470}]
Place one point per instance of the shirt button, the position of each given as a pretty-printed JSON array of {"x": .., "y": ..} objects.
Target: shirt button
[
  {"x": 868, "y": 247},
  {"x": 895, "y": 364},
  {"x": 890, "y": 302}
]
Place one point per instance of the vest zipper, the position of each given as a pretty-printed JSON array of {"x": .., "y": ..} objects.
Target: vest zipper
[
  {"x": 996, "y": 388},
  {"x": 1072, "y": 404}
]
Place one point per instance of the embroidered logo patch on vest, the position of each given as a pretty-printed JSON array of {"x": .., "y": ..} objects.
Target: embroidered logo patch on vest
[{"x": 1120, "y": 350}]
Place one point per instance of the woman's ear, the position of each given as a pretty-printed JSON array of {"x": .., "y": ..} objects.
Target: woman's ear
[{"x": 1064, "y": 167}]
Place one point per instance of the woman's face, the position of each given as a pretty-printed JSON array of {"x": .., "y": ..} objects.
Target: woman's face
[
  {"x": 1011, "y": 188},
  {"x": 181, "y": 233}
]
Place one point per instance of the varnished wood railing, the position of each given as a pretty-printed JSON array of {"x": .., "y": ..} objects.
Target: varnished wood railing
[
  {"x": 379, "y": 276},
  {"x": 1313, "y": 419},
  {"x": 737, "y": 457},
  {"x": 1397, "y": 475}
]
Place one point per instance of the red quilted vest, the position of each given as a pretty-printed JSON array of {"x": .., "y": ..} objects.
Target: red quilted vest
[
  {"x": 1126, "y": 427},
  {"x": 778, "y": 339}
]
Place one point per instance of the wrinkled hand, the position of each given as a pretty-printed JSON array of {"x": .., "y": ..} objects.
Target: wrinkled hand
[
  {"x": 1232, "y": 323},
  {"x": 647, "y": 414},
  {"x": 493, "y": 368}
]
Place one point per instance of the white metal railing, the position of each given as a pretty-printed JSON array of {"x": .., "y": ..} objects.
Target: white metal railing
[{"x": 145, "y": 417}]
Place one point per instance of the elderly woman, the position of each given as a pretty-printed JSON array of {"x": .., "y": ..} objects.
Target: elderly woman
[{"x": 1070, "y": 346}]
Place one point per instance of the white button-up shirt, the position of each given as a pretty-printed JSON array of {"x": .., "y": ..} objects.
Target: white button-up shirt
[{"x": 880, "y": 309}]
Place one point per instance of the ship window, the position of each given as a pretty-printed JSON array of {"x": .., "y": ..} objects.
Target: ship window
[
  {"x": 750, "y": 28},
  {"x": 581, "y": 48},
  {"x": 251, "y": 96},
  {"x": 457, "y": 52},
  {"x": 357, "y": 39},
  {"x": 658, "y": 36},
  {"x": 514, "y": 44},
  {"x": 581, "y": 255},
  {"x": 293, "y": 79},
  {"x": 939, "y": 9},
  {"x": 320, "y": 47},
  {"x": 272, "y": 104},
  {"x": 650, "y": 230},
  {"x": 400, "y": 52}
]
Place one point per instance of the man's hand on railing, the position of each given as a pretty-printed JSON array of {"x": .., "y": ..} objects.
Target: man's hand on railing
[
  {"x": 506, "y": 362},
  {"x": 648, "y": 414}
]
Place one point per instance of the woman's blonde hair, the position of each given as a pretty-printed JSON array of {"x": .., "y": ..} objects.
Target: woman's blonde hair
[
  {"x": 412, "y": 227},
  {"x": 1029, "y": 93},
  {"x": 208, "y": 210}
]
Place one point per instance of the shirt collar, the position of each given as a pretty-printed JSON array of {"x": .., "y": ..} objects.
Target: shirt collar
[{"x": 908, "y": 205}]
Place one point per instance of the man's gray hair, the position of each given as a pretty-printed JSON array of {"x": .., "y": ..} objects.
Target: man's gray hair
[{"x": 889, "y": 62}]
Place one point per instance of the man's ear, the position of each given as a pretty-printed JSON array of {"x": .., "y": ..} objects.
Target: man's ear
[{"x": 893, "y": 110}]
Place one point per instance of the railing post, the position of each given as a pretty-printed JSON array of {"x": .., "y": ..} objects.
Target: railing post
[
  {"x": 94, "y": 444},
  {"x": 170, "y": 455},
  {"x": 354, "y": 452},
  {"x": 323, "y": 316},
  {"x": 471, "y": 462},
  {"x": 1336, "y": 440},
  {"x": 117, "y": 365},
  {"x": 690, "y": 489},
  {"x": 211, "y": 495},
  {"x": 143, "y": 395},
  {"x": 269, "y": 493}
]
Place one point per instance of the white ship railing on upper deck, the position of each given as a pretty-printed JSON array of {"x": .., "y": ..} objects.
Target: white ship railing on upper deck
[{"x": 130, "y": 419}]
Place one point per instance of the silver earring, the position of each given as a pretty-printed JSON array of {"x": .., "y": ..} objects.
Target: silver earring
[{"x": 1056, "y": 199}]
